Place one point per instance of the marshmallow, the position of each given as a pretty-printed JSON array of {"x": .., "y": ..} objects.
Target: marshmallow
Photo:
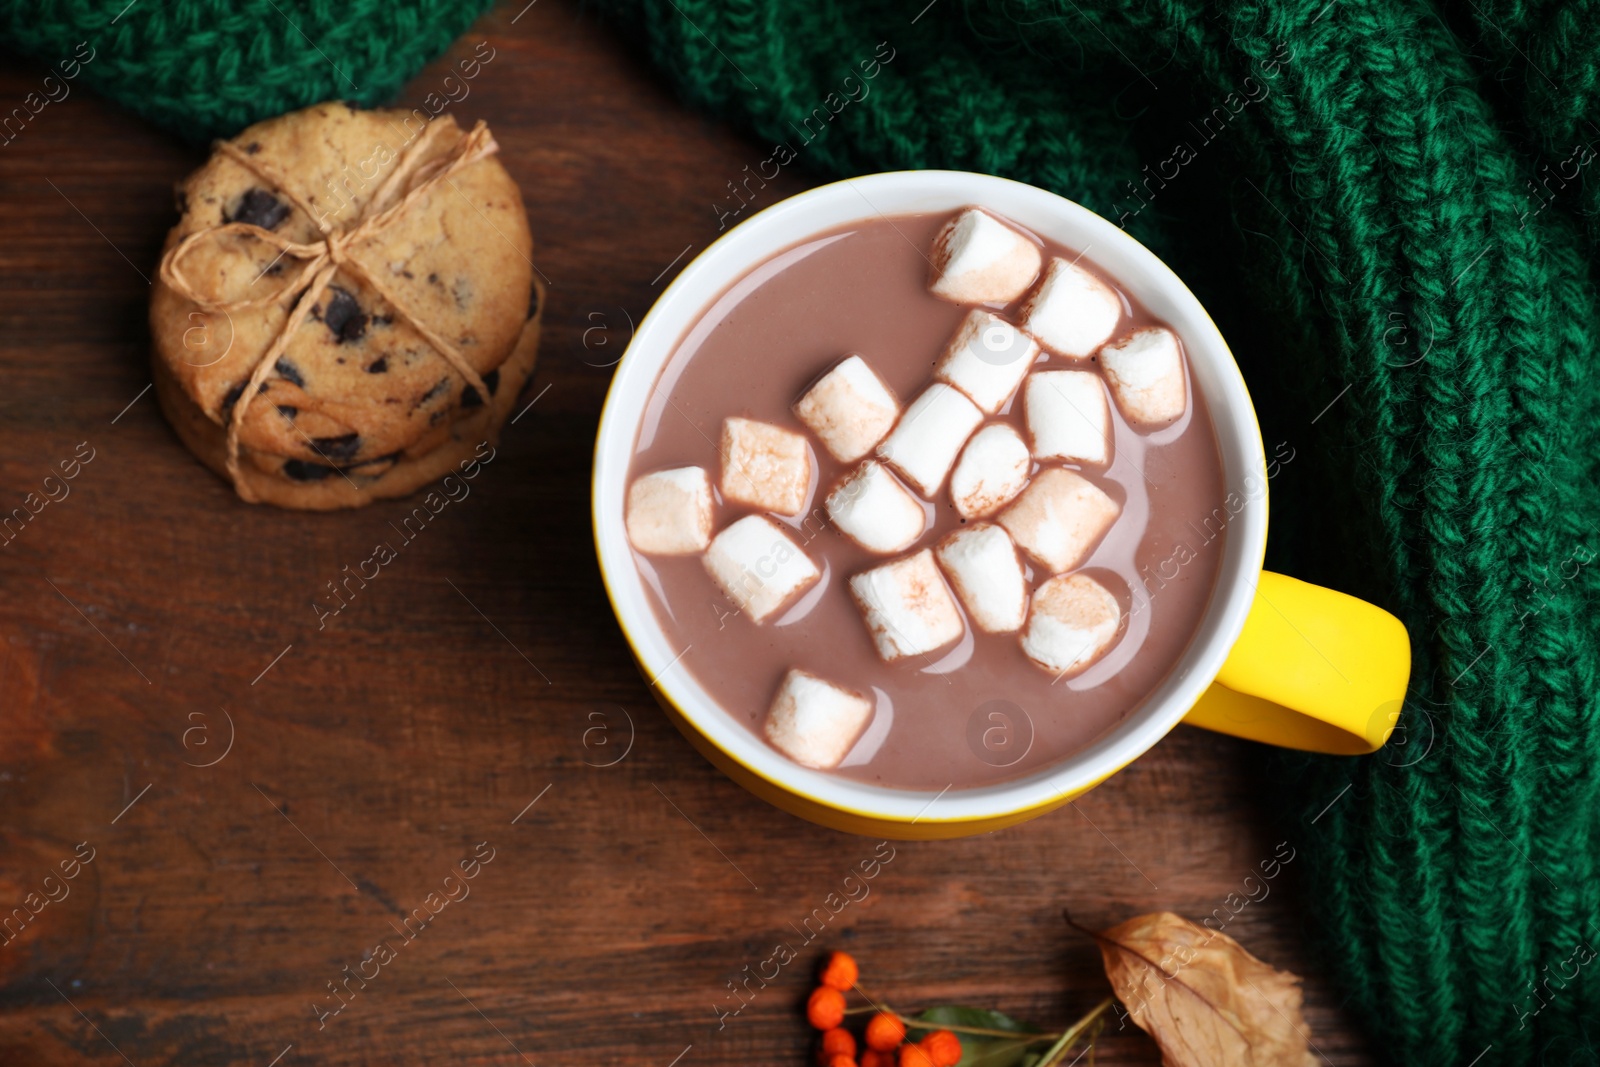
[
  {"x": 1145, "y": 372},
  {"x": 992, "y": 470},
  {"x": 814, "y": 722},
  {"x": 669, "y": 512},
  {"x": 1072, "y": 312},
  {"x": 765, "y": 466},
  {"x": 849, "y": 409},
  {"x": 1068, "y": 417},
  {"x": 1059, "y": 518},
  {"x": 907, "y": 607},
  {"x": 986, "y": 359},
  {"x": 929, "y": 435},
  {"x": 977, "y": 259},
  {"x": 875, "y": 511},
  {"x": 759, "y": 566},
  {"x": 1074, "y": 619},
  {"x": 982, "y": 564}
]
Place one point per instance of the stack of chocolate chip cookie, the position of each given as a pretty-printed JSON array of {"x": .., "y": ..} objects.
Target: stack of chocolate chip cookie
[{"x": 347, "y": 307}]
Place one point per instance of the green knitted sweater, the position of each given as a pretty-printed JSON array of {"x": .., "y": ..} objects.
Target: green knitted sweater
[
  {"x": 1388, "y": 207},
  {"x": 207, "y": 68}
]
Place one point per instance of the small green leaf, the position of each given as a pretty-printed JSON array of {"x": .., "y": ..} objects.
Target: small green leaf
[
  {"x": 981, "y": 1051},
  {"x": 940, "y": 1017}
]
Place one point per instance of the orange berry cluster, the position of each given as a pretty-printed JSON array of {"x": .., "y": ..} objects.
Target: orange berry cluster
[{"x": 885, "y": 1036}]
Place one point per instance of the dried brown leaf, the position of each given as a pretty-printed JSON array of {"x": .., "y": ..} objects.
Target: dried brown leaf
[{"x": 1206, "y": 1001}]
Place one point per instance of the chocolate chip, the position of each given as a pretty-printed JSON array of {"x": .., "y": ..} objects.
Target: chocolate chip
[
  {"x": 438, "y": 388},
  {"x": 344, "y": 316},
  {"x": 338, "y": 448},
  {"x": 231, "y": 397},
  {"x": 289, "y": 372},
  {"x": 288, "y": 411},
  {"x": 260, "y": 208},
  {"x": 380, "y": 320},
  {"x": 301, "y": 471},
  {"x": 533, "y": 302},
  {"x": 252, "y": 148},
  {"x": 469, "y": 394},
  {"x": 433, "y": 279},
  {"x": 365, "y": 466},
  {"x": 379, "y": 365}
]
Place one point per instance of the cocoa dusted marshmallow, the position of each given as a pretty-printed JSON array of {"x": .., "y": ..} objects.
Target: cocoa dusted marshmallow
[
  {"x": 986, "y": 359},
  {"x": 1059, "y": 518},
  {"x": 1068, "y": 416},
  {"x": 1072, "y": 622},
  {"x": 669, "y": 512},
  {"x": 765, "y": 466},
  {"x": 982, "y": 564},
  {"x": 992, "y": 470},
  {"x": 815, "y": 722},
  {"x": 875, "y": 511},
  {"x": 1145, "y": 372},
  {"x": 759, "y": 566},
  {"x": 849, "y": 409},
  {"x": 925, "y": 442},
  {"x": 977, "y": 259},
  {"x": 907, "y": 607},
  {"x": 1072, "y": 312}
]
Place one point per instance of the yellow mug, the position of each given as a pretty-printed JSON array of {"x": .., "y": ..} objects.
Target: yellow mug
[{"x": 1274, "y": 659}]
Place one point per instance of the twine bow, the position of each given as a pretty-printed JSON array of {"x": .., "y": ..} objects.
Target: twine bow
[{"x": 409, "y": 182}]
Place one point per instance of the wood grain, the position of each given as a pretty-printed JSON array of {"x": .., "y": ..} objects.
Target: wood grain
[{"x": 148, "y": 610}]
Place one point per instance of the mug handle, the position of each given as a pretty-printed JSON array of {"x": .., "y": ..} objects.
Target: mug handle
[{"x": 1313, "y": 669}]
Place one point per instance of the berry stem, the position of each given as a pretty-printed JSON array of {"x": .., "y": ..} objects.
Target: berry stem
[
  {"x": 876, "y": 1005},
  {"x": 1070, "y": 1038},
  {"x": 1070, "y": 1035}
]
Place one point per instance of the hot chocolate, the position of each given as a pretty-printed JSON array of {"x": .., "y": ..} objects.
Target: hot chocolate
[{"x": 928, "y": 501}]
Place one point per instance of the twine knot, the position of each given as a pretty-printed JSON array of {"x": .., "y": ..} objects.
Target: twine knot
[{"x": 410, "y": 181}]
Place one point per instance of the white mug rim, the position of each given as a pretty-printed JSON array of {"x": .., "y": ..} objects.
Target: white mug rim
[{"x": 829, "y": 207}]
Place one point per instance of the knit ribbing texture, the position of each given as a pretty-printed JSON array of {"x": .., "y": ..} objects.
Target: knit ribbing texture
[
  {"x": 1361, "y": 191},
  {"x": 209, "y": 68}
]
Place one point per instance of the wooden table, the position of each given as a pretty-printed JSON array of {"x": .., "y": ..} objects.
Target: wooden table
[{"x": 153, "y": 625}]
